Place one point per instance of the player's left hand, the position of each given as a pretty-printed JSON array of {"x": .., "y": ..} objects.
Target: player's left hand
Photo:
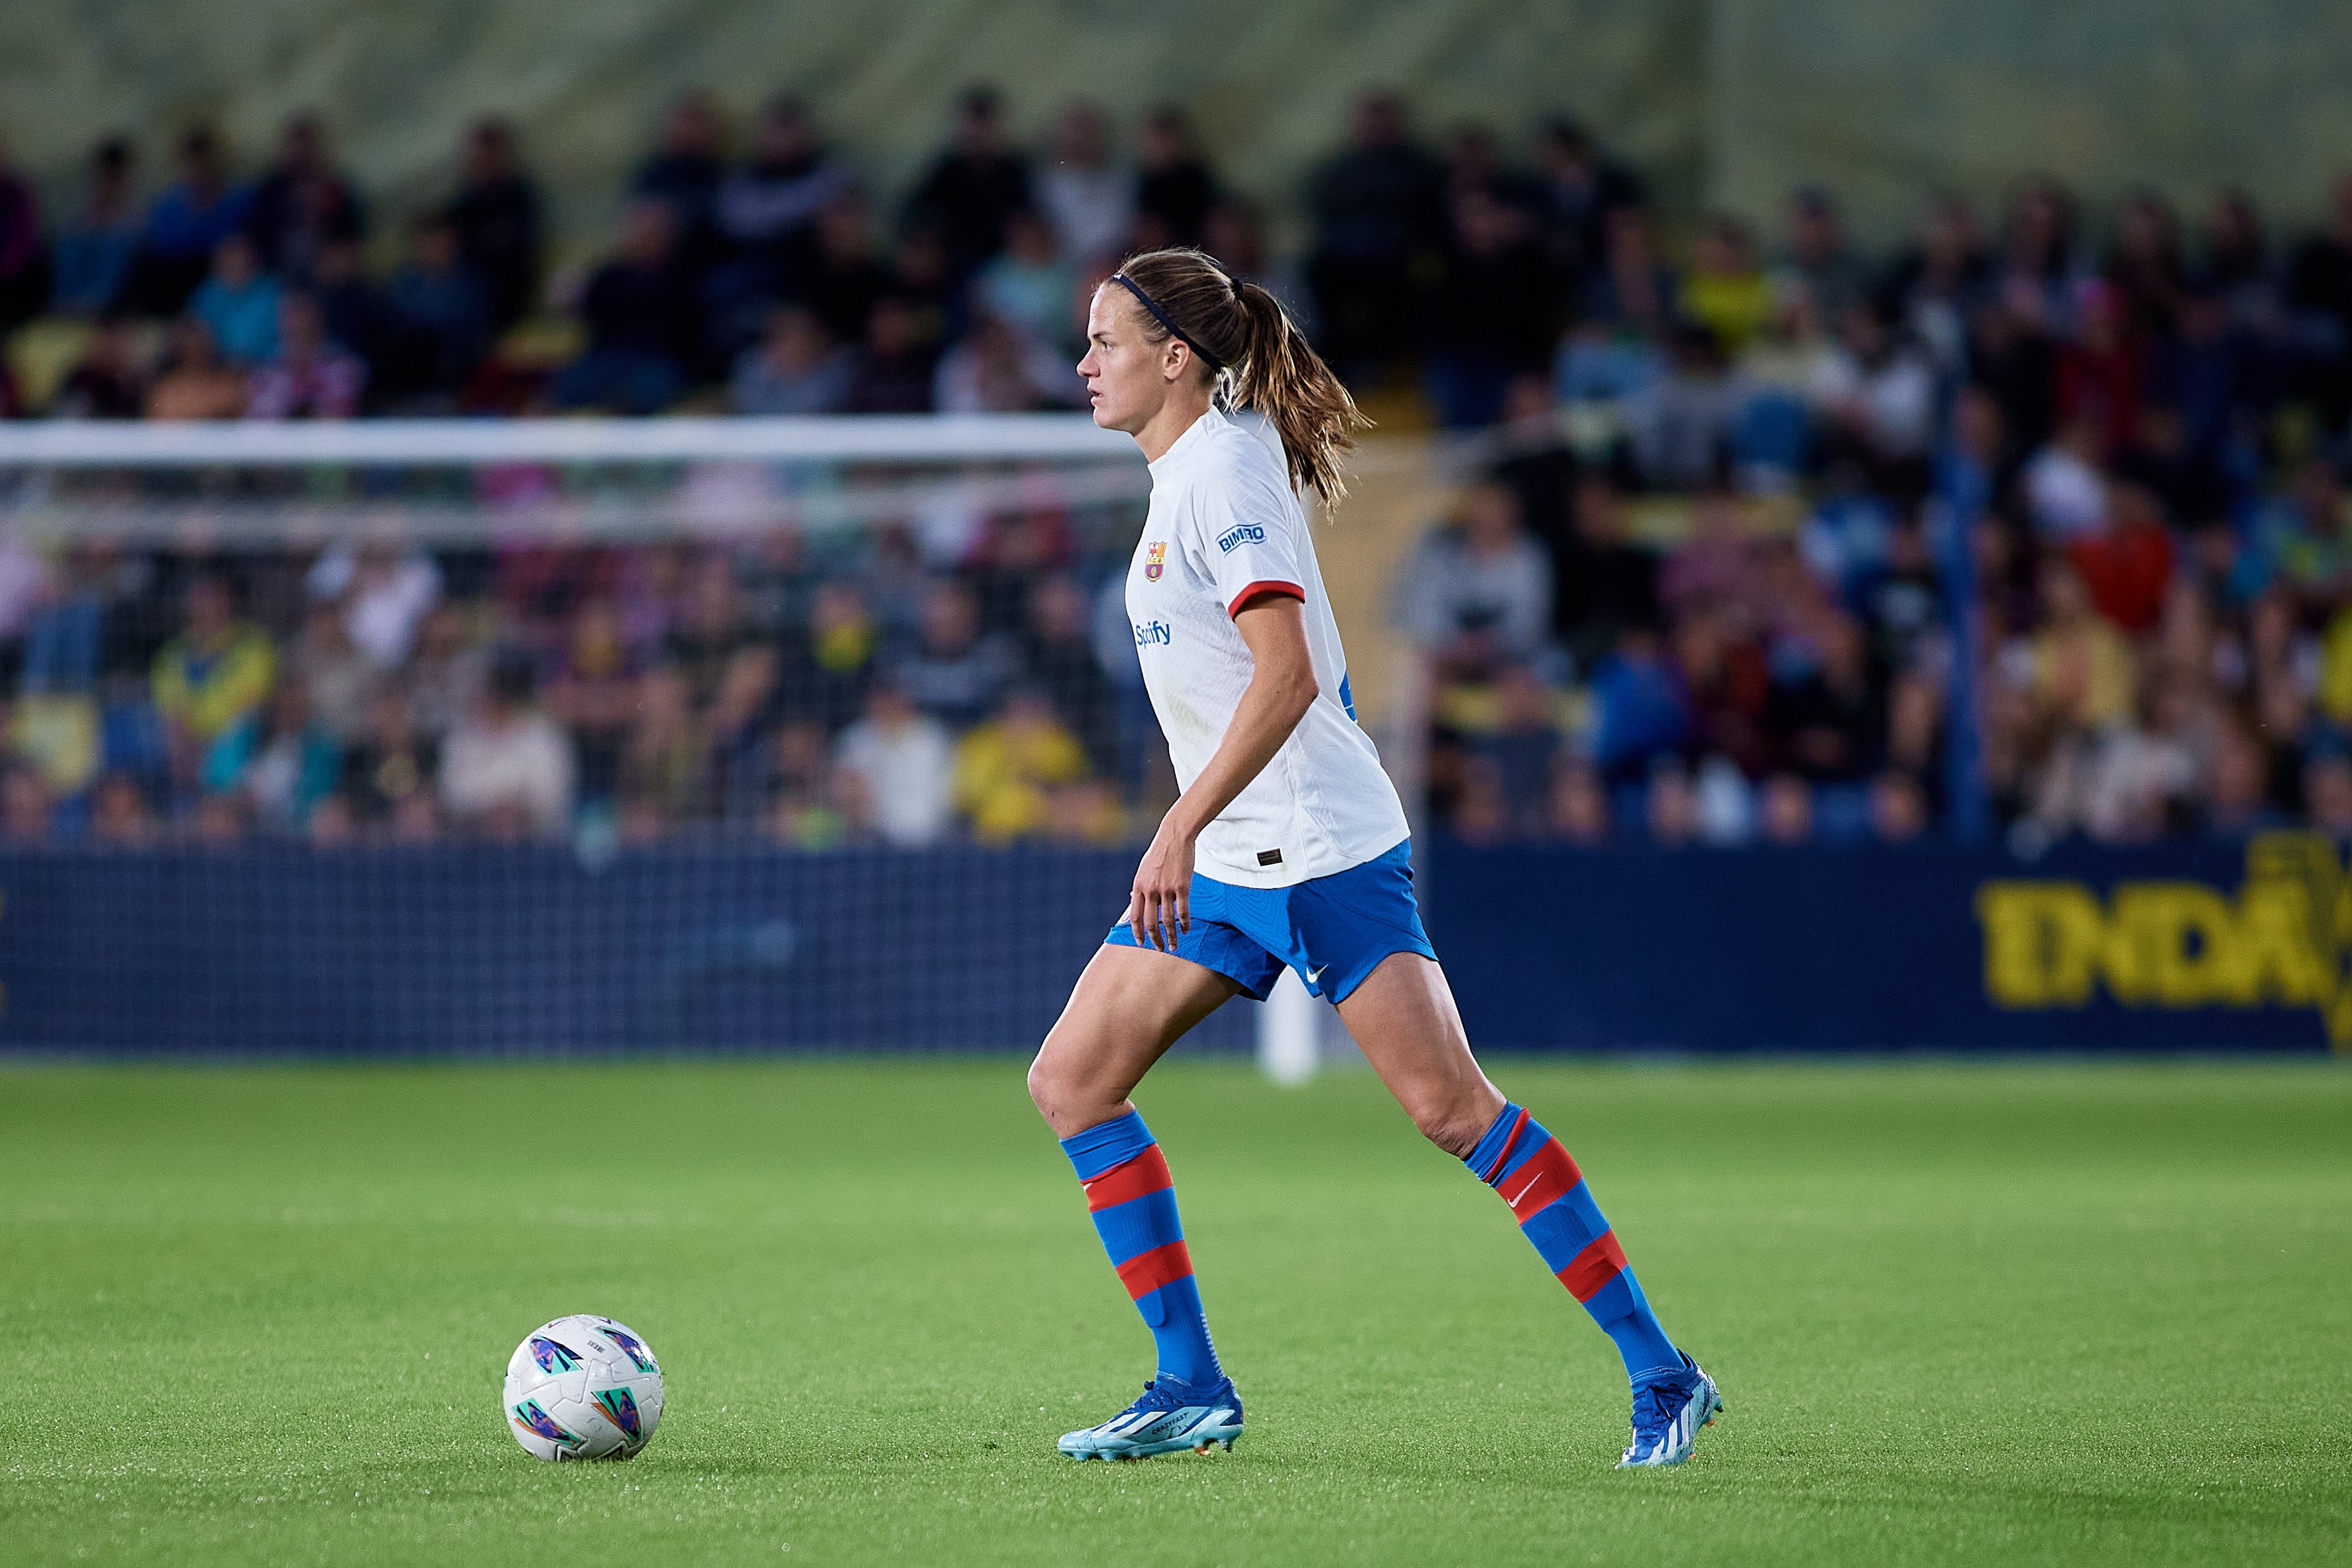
[{"x": 1160, "y": 905}]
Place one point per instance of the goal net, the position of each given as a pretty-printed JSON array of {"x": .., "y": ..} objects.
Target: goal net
[{"x": 435, "y": 736}]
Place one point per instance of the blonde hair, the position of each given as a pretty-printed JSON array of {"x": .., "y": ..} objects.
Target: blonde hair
[{"x": 1236, "y": 328}]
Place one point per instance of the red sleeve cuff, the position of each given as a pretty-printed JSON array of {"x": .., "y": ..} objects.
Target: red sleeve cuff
[{"x": 1254, "y": 589}]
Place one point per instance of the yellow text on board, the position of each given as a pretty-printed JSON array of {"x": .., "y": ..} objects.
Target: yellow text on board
[{"x": 2280, "y": 939}]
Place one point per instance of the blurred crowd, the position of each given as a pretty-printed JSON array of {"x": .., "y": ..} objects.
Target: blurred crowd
[
  {"x": 751, "y": 270},
  {"x": 1726, "y": 488},
  {"x": 882, "y": 688},
  {"x": 1709, "y": 584}
]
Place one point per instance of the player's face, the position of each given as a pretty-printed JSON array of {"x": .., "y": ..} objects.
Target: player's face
[{"x": 1128, "y": 377}]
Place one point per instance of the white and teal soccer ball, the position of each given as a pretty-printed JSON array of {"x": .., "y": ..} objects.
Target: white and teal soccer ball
[{"x": 583, "y": 1387}]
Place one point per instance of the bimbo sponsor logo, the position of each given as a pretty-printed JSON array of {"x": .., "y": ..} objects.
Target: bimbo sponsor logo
[
  {"x": 1154, "y": 634},
  {"x": 1233, "y": 538}
]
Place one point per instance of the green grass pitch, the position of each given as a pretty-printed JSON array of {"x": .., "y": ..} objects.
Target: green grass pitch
[{"x": 2001, "y": 1314}]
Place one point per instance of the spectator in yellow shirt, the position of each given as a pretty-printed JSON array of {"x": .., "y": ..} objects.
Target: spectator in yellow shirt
[
  {"x": 1006, "y": 769},
  {"x": 2083, "y": 673},
  {"x": 217, "y": 670},
  {"x": 1724, "y": 290}
]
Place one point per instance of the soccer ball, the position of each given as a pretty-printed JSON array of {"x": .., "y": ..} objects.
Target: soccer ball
[{"x": 583, "y": 1387}]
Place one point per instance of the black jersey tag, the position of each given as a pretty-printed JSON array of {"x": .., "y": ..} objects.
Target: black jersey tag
[{"x": 1269, "y": 857}]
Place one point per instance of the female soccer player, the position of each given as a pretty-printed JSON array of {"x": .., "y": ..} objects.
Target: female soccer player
[{"x": 1286, "y": 846}]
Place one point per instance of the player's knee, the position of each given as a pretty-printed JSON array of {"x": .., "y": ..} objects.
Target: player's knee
[
  {"x": 1046, "y": 1088},
  {"x": 1455, "y": 1128},
  {"x": 1057, "y": 1082}
]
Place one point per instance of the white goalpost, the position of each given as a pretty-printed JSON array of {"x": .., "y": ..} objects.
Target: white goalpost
[
  {"x": 423, "y": 443},
  {"x": 1289, "y": 1032}
]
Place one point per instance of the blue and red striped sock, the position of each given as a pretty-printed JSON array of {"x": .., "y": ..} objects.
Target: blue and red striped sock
[
  {"x": 1534, "y": 1175},
  {"x": 1133, "y": 1201}
]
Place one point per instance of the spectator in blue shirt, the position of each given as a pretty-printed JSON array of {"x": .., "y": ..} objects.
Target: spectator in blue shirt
[
  {"x": 438, "y": 320},
  {"x": 282, "y": 759},
  {"x": 186, "y": 226},
  {"x": 302, "y": 204},
  {"x": 1643, "y": 706},
  {"x": 794, "y": 369},
  {"x": 496, "y": 215},
  {"x": 93, "y": 257},
  {"x": 1029, "y": 287},
  {"x": 683, "y": 172},
  {"x": 239, "y": 303},
  {"x": 640, "y": 322},
  {"x": 767, "y": 208}
]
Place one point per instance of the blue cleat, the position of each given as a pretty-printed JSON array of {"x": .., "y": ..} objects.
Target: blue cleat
[
  {"x": 1669, "y": 1407},
  {"x": 1171, "y": 1416}
]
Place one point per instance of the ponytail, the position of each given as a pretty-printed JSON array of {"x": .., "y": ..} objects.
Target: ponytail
[
  {"x": 1238, "y": 328},
  {"x": 1283, "y": 378}
]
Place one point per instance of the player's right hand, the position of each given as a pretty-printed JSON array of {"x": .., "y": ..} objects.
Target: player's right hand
[{"x": 1159, "y": 905}]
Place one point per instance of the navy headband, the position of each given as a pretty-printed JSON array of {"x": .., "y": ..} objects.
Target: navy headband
[{"x": 1148, "y": 303}]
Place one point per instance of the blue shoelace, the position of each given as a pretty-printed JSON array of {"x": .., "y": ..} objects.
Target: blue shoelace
[
  {"x": 1654, "y": 1407},
  {"x": 1155, "y": 1397}
]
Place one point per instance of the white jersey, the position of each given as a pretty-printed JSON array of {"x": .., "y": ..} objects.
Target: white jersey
[{"x": 1224, "y": 528}]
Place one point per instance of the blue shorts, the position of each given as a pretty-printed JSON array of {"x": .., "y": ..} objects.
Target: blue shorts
[{"x": 1334, "y": 930}]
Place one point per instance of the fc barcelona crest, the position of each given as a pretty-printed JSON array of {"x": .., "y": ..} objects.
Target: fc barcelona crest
[{"x": 1155, "y": 561}]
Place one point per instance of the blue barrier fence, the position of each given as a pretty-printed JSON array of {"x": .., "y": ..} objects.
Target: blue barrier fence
[
  {"x": 481, "y": 950},
  {"x": 725, "y": 948},
  {"x": 2190, "y": 947}
]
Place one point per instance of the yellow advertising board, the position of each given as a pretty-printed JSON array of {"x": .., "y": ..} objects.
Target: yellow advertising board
[{"x": 2280, "y": 938}]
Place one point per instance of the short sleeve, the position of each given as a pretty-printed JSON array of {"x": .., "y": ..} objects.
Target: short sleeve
[{"x": 1245, "y": 543}]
